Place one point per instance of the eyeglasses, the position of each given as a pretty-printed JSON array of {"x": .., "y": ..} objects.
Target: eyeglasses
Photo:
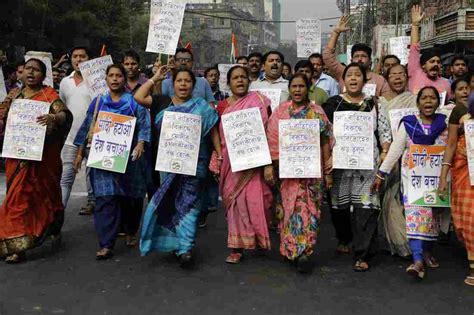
[{"x": 180, "y": 60}]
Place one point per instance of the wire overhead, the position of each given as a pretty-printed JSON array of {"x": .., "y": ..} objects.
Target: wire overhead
[{"x": 251, "y": 20}]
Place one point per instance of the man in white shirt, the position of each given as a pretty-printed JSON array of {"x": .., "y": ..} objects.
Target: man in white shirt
[
  {"x": 320, "y": 79},
  {"x": 74, "y": 93},
  {"x": 272, "y": 78}
]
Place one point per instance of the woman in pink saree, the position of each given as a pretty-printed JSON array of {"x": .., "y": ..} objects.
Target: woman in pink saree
[
  {"x": 301, "y": 198},
  {"x": 246, "y": 197}
]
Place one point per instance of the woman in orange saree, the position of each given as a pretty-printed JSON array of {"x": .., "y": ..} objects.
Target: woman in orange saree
[
  {"x": 32, "y": 209},
  {"x": 247, "y": 198}
]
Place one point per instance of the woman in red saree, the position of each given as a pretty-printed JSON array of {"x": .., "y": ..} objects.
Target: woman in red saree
[
  {"x": 301, "y": 198},
  {"x": 247, "y": 198},
  {"x": 32, "y": 209}
]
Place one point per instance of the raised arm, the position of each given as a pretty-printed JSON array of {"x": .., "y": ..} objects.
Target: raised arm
[
  {"x": 144, "y": 93},
  {"x": 329, "y": 53},
  {"x": 416, "y": 18}
]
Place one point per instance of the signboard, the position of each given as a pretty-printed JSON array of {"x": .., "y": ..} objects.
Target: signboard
[
  {"x": 46, "y": 58},
  {"x": 93, "y": 73},
  {"x": 178, "y": 148},
  {"x": 424, "y": 166},
  {"x": 24, "y": 137},
  {"x": 354, "y": 133},
  {"x": 469, "y": 131},
  {"x": 166, "y": 19},
  {"x": 300, "y": 148},
  {"x": 396, "y": 115},
  {"x": 308, "y": 37},
  {"x": 273, "y": 94},
  {"x": 246, "y": 139},
  {"x": 399, "y": 48},
  {"x": 111, "y": 142},
  {"x": 223, "y": 70}
]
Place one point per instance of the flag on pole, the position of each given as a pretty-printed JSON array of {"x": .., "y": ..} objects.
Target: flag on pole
[
  {"x": 189, "y": 46},
  {"x": 234, "y": 52},
  {"x": 103, "y": 52}
]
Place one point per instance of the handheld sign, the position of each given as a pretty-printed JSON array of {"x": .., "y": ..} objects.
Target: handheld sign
[
  {"x": 399, "y": 48},
  {"x": 370, "y": 89},
  {"x": 45, "y": 57},
  {"x": 93, "y": 72},
  {"x": 246, "y": 139},
  {"x": 3, "y": 89},
  {"x": 469, "y": 131},
  {"x": 424, "y": 164},
  {"x": 223, "y": 70},
  {"x": 178, "y": 148},
  {"x": 24, "y": 137},
  {"x": 308, "y": 37},
  {"x": 396, "y": 115},
  {"x": 111, "y": 142},
  {"x": 354, "y": 133},
  {"x": 299, "y": 146},
  {"x": 166, "y": 19},
  {"x": 273, "y": 95}
]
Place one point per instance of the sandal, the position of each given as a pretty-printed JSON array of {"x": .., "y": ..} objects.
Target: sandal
[
  {"x": 469, "y": 280},
  {"x": 431, "y": 262},
  {"x": 15, "y": 258},
  {"x": 87, "y": 210},
  {"x": 104, "y": 253},
  {"x": 416, "y": 271},
  {"x": 234, "y": 258},
  {"x": 360, "y": 266},
  {"x": 342, "y": 249}
]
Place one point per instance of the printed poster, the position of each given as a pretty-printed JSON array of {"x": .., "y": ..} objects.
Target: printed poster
[
  {"x": 246, "y": 139},
  {"x": 46, "y": 58},
  {"x": 354, "y": 133},
  {"x": 112, "y": 142},
  {"x": 469, "y": 131},
  {"x": 300, "y": 148},
  {"x": 178, "y": 148},
  {"x": 93, "y": 72},
  {"x": 424, "y": 169},
  {"x": 24, "y": 137},
  {"x": 166, "y": 19},
  {"x": 396, "y": 115},
  {"x": 273, "y": 94},
  {"x": 399, "y": 48},
  {"x": 308, "y": 37},
  {"x": 223, "y": 70}
]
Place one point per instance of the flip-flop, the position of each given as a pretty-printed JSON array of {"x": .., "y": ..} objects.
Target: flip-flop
[
  {"x": 361, "y": 266},
  {"x": 234, "y": 258},
  {"x": 104, "y": 254},
  {"x": 417, "y": 273},
  {"x": 431, "y": 262},
  {"x": 469, "y": 280}
]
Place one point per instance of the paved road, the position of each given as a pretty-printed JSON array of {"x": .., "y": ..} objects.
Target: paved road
[{"x": 72, "y": 282}]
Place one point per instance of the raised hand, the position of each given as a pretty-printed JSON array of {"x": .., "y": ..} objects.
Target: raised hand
[
  {"x": 343, "y": 24},
  {"x": 416, "y": 15}
]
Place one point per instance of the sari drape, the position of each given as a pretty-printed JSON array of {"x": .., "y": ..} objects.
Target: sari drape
[
  {"x": 301, "y": 199},
  {"x": 170, "y": 220},
  {"x": 247, "y": 198},
  {"x": 33, "y": 208}
]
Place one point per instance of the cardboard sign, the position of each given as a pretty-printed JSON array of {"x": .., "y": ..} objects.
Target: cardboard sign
[
  {"x": 111, "y": 142},
  {"x": 469, "y": 131},
  {"x": 273, "y": 94},
  {"x": 399, "y": 48},
  {"x": 246, "y": 139},
  {"x": 370, "y": 89},
  {"x": 223, "y": 70},
  {"x": 24, "y": 137},
  {"x": 396, "y": 115},
  {"x": 300, "y": 148},
  {"x": 308, "y": 37},
  {"x": 178, "y": 148},
  {"x": 46, "y": 58},
  {"x": 93, "y": 72}
]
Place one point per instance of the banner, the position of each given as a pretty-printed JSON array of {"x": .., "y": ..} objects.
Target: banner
[
  {"x": 354, "y": 133},
  {"x": 93, "y": 73},
  {"x": 24, "y": 137},
  {"x": 46, "y": 58},
  {"x": 300, "y": 148},
  {"x": 3, "y": 88},
  {"x": 111, "y": 142},
  {"x": 223, "y": 69},
  {"x": 178, "y": 148},
  {"x": 246, "y": 139},
  {"x": 396, "y": 115},
  {"x": 469, "y": 131},
  {"x": 166, "y": 19},
  {"x": 424, "y": 164},
  {"x": 308, "y": 37},
  {"x": 399, "y": 48},
  {"x": 273, "y": 94}
]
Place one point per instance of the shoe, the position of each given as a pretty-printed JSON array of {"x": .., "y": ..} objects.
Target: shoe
[
  {"x": 304, "y": 264},
  {"x": 87, "y": 210},
  {"x": 104, "y": 253},
  {"x": 234, "y": 258},
  {"x": 416, "y": 271},
  {"x": 202, "y": 221},
  {"x": 186, "y": 260}
]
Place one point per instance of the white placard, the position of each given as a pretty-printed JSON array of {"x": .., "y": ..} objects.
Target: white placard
[
  {"x": 370, "y": 89},
  {"x": 46, "y": 58},
  {"x": 3, "y": 88},
  {"x": 442, "y": 98},
  {"x": 166, "y": 20},
  {"x": 93, "y": 72},
  {"x": 273, "y": 94},
  {"x": 300, "y": 148},
  {"x": 178, "y": 148},
  {"x": 24, "y": 137},
  {"x": 469, "y": 131},
  {"x": 349, "y": 53},
  {"x": 308, "y": 37},
  {"x": 396, "y": 115},
  {"x": 223, "y": 70},
  {"x": 354, "y": 133},
  {"x": 246, "y": 139},
  {"x": 399, "y": 48}
]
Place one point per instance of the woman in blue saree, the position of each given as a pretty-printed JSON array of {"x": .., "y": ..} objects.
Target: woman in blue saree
[{"x": 171, "y": 218}]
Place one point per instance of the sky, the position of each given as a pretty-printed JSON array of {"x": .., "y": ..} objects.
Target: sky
[{"x": 295, "y": 9}]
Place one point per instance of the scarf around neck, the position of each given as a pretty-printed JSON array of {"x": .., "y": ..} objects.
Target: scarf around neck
[{"x": 416, "y": 133}]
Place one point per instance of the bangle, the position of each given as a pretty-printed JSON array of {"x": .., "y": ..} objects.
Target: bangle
[
  {"x": 447, "y": 163},
  {"x": 379, "y": 177}
]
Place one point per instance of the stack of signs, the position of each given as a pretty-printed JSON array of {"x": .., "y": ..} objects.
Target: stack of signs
[
  {"x": 469, "y": 131},
  {"x": 166, "y": 19},
  {"x": 246, "y": 139},
  {"x": 111, "y": 142},
  {"x": 424, "y": 166},
  {"x": 399, "y": 48},
  {"x": 93, "y": 72},
  {"x": 354, "y": 133},
  {"x": 24, "y": 137},
  {"x": 273, "y": 95},
  {"x": 178, "y": 148},
  {"x": 223, "y": 70},
  {"x": 299, "y": 147},
  {"x": 46, "y": 58},
  {"x": 308, "y": 37}
]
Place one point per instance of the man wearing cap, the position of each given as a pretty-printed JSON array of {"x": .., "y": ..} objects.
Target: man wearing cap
[{"x": 424, "y": 70}]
